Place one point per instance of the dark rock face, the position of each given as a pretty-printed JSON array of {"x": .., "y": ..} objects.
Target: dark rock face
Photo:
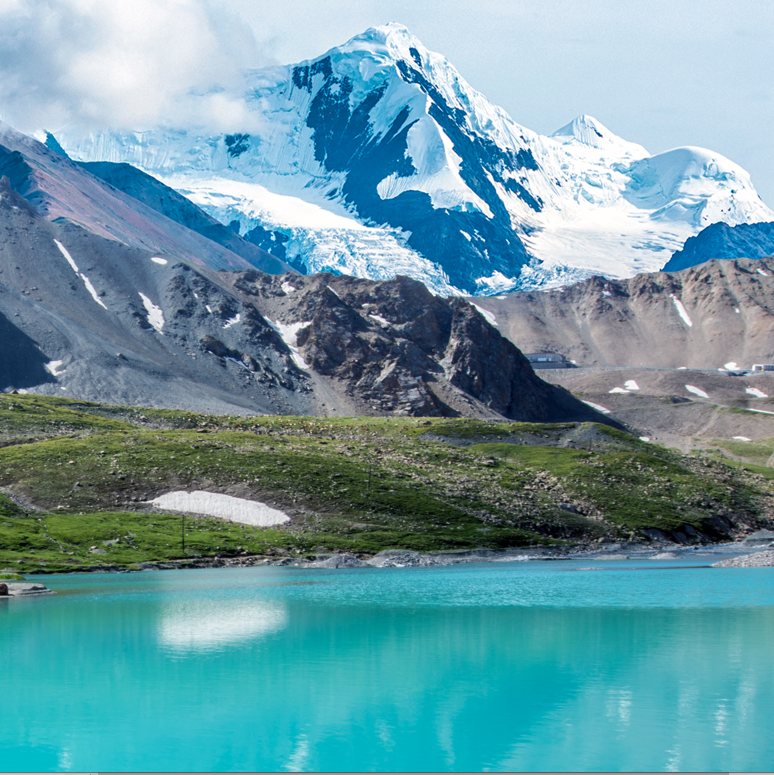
[
  {"x": 393, "y": 347},
  {"x": 344, "y": 141},
  {"x": 719, "y": 240},
  {"x": 3, "y": 589}
]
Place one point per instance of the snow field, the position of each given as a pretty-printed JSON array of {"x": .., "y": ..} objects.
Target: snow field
[{"x": 211, "y": 504}]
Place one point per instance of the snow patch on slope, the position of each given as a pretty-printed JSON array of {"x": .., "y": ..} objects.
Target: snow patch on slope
[
  {"x": 155, "y": 315},
  {"x": 681, "y": 310},
  {"x": 696, "y": 391},
  {"x": 289, "y": 334},
  {"x": 89, "y": 287},
  {"x": 213, "y": 504},
  {"x": 488, "y": 316}
]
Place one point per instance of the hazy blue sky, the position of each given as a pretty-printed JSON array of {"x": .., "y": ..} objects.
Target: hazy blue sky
[{"x": 661, "y": 73}]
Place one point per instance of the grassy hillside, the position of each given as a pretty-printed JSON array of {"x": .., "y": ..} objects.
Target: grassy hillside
[{"x": 76, "y": 477}]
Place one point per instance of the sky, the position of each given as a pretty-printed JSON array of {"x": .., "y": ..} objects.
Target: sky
[{"x": 662, "y": 73}]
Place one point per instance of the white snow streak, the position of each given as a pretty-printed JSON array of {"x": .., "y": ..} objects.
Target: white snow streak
[
  {"x": 618, "y": 390},
  {"x": 696, "y": 391},
  {"x": 89, "y": 287},
  {"x": 731, "y": 366},
  {"x": 380, "y": 320},
  {"x": 681, "y": 310},
  {"x": 760, "y": 271},
  {"x": 233, "y": 321},
  {"x": 52, "y": 367},
  {"x": 644, "y": 438},
  {"x": 213, "y": 504},
  {"x": 159, "y": 260},
  {"x": 760, "y": 411},
  {"x": 630, "y": 384},
  {"x": 597, "y": 407},
  {"x": 287, "y": 288},
  {"x": 333, "y": 292},
  {"x": 488, "y": 316},
  {"x": 741, "y": 438},
  {"x": 289, "y": 334},
  {"x": 155, "y": 315},
  {"x": 755, "y": 392}
]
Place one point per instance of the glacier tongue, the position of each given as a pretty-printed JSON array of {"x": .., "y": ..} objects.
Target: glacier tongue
[{"x": 378, "y": 159}]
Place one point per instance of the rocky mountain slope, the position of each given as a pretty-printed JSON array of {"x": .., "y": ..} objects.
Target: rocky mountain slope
[
  {"x": 719, "y": 240},
  {"x": 60, "y": 189},
  {"x": 378, "y": 159},
  {"x": 93, "y": 318},
  {"x": 717, "y": 313}
]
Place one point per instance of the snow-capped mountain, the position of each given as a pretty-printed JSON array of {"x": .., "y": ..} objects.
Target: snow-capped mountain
[{"x": 378, "y": 159}]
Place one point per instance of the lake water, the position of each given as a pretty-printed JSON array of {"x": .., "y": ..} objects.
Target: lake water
[{"x": 503, "y": 666}]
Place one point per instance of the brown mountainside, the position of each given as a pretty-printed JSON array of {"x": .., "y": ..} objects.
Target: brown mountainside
[{"x": 702, "y": 318}]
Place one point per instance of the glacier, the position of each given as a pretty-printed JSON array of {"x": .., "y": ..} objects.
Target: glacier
[{"x": 378, "y": 159}]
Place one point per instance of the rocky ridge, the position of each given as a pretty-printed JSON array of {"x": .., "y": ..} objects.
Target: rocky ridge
[{"x": 703, "y": 317}]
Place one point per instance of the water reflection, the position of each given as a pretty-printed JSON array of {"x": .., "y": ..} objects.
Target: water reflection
[{"x": 202, "y": 624}]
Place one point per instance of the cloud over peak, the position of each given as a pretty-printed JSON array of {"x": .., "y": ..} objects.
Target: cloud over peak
[{"x": 123, "y": 64}]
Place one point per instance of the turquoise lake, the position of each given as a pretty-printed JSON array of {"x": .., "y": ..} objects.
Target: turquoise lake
[{"x": 501, "y": 666}]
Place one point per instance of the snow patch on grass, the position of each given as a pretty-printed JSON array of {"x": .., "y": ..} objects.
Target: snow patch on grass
[
  {"x": 741, "y": 438},
  {"x": 212, "y": 504}
]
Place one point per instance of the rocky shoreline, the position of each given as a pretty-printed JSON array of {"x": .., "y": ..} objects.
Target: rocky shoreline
[
  {"x": 22, "y": 589},
  {"x": 764, "y": 559},
  {"x": 750, "y": 547}
]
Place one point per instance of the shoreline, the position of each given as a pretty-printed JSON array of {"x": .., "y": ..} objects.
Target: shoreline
[{"x": 716, "y": 554}]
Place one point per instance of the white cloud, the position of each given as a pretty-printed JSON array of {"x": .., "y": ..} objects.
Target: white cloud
[{"x": 123, "y": 63}]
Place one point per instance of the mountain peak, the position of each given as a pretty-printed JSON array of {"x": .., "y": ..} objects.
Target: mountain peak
[
  {"x": 392, "y": 41},
  {"x": 589, "y": 131}
]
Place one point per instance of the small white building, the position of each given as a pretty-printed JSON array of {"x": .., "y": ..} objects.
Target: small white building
[{"x": 763, "y": 367}]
